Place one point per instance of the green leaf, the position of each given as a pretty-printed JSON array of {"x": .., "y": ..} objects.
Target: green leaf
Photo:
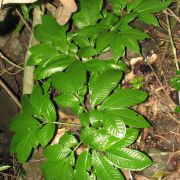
[
  {"x": 47, "y": 108},
  {"x": 175, "y": 83},
  {"x": 39, "y": 52},
  {"x": 104, "y": 40},
  {"x": 22, "y": 144},
  {"x": 67, "y": 172},
  {"x": 25, "y": 11},
  {"x": 130, "y": 138},
  {"x": 51, "y": 32},
  {"x": 109, "y": 20},
  {"x": 103, "y": 169},
  {"x": 97, "y": 139},
  {"x": 114, "y": 125},
  {"x": 177, "y": 109},
  {"x": 62, "y": 82},
  {"x": 81, "y": 41},
  {"x": 131, "y": 6},
  {"x": 83, "y": 164},
  {"x": 124, "y": 98},
  {"x": 96, "y": 118},
  {"x": 126, "y": 19},
  {"x": 42, "y": 104},
  {"x": 73, "y": 80},
  {"x": 36, "y": 96},
  {"x": 132, "y": 44},
  {"x": 152, "y": 6},
  {"x": 46, "y": 85},
  {"x": 52, "y": 67},
  {"x": 128, "y": 159},
  {"x": 87, "y": 52},
  {"x": 117, "y": 5},
  {"x": 130, "y": 117},
  {"x": 96, "y": 65},
  {"x": 67, "y": 100},
  {"x": 91, "y": 30},
  {"x": 135, "y": 34},
  {"x": 149, "y": 19},
  {"x": 84, "y": 119},
  {"x": 117, "y": 46},
  {"x": 61, "y": 150},
  {"x": 26, "y": 106},
  {"x": 103, "y": 86},
  {"x": 88, "y": 14},
  {"x": 46, "y": 133},
  {"x": 77, "y": 74},
  {"x": 52, "y": 169},
  {"x": 23, "y": 122}
]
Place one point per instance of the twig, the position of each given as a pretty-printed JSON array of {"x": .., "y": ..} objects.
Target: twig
[
  {"x": 10, "y": 93},
  {"x": 162, "y": 138},
  {"x": 63, "y": 123},
  {"x": 159, "y": 82},
  {"x": 173, "y": 15},
  {"x": 24, "y": 21},
  {"x": 9, "y": 61},
  {"x": 172, "y": 132}
]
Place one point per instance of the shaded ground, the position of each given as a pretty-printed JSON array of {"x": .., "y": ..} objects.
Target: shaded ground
[{"x": 161, "y": 141}]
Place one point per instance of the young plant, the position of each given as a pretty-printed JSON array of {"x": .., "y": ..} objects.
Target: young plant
[{"x": 67, "y": 63}]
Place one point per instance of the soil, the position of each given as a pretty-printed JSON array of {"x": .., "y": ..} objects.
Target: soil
[{"x": 161, "y": 141}]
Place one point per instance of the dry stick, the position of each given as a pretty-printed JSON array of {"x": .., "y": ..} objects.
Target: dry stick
[
  {"x": 9, "y": 61},
  {"x": 10, "y": 93},
  {"x": 173, "y": 15},
  {"x": 24, "y": 21},
  {"x": 28, "y": 81}
]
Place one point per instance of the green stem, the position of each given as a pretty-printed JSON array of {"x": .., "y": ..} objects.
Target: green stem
[
  {"x": 63, "y": 123},
  {"x": 172, "y": 43},
  {"x": 76, "y": 147}
]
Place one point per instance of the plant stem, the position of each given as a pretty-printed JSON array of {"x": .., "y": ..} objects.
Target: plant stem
[
  {"x": 77, "y": 146},
  {"x": 11, "y": 94},
  {"x": 63, "y": 123},
  {"x": 24, "y": 21},
  {"x": 172, "y": 43}
]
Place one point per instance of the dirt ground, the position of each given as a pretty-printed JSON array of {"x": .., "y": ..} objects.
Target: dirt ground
[{"x": 156, "y": 68}]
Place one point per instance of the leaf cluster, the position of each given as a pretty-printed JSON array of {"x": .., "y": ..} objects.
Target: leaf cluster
[{"x": 68, "y": 63}]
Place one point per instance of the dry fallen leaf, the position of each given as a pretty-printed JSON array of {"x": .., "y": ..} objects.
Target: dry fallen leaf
[
  {"x": 59, "y": 134},
  {"x": 62, "y": 13},
  {"x": 129, "y": 77},
  {"x": 134, "y": 61}
]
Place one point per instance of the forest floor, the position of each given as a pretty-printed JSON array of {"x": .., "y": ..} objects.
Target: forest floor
[{"x": 154, "y": 71}]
